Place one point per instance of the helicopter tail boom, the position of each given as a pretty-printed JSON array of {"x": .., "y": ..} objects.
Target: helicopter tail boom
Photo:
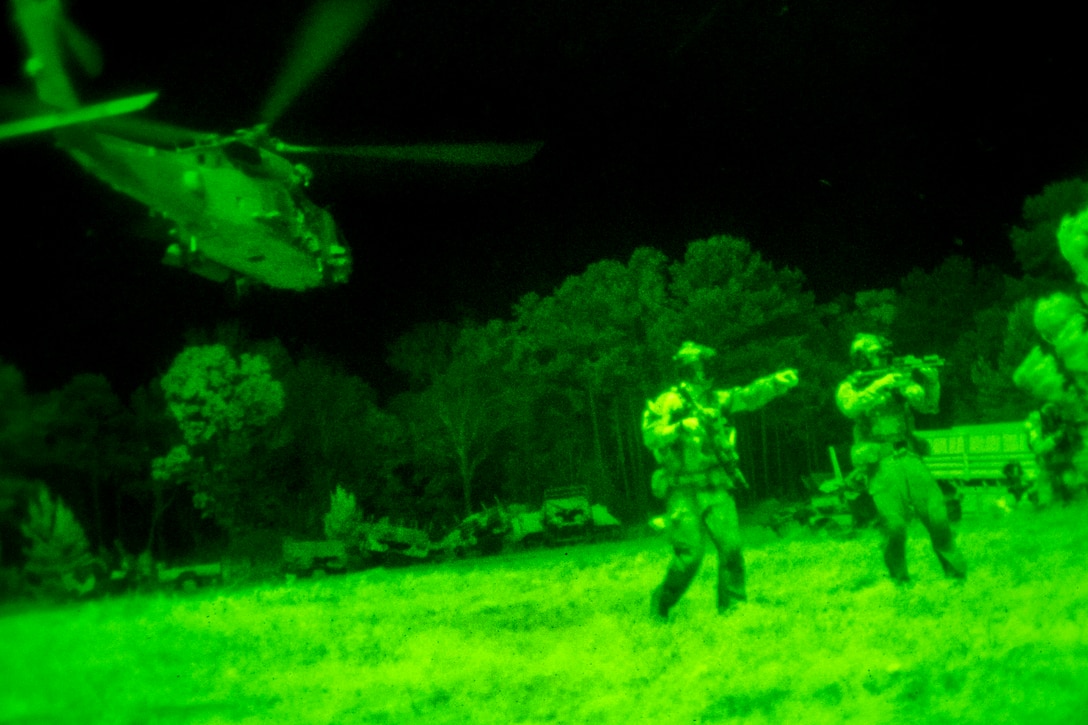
[{"x": 41, "y": 23}]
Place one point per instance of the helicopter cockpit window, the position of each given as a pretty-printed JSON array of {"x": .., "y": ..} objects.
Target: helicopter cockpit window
[{"x": 243, "y": 154}]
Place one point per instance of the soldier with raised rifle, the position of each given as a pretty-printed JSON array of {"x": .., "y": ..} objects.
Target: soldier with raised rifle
[
  {"x": 881, "y": 397},
  {"x": 695, "y": 448}
]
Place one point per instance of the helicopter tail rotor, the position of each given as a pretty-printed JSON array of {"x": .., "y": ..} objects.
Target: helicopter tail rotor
[{"x": 324, "y": 35}]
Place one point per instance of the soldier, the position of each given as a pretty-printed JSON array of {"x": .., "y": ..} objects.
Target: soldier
[
  {"x": 1056, "y": 370},
  {"x": 1015, "y": 482},
  {"x": 1053, "y": 443},
  {"x": 695, "y": 449},
  {"x": 886, "y": 448}
]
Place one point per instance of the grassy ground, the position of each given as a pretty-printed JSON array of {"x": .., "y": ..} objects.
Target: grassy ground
[{"x": 565, "y": 636}]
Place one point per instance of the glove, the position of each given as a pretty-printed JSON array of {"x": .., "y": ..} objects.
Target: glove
[
  {"x": 787, "y": 378},
  {"x": 914, "y": 393}
]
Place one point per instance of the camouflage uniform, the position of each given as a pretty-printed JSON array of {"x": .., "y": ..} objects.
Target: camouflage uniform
[
  {"x": 1053, "y": 444},
  {"x": 1062, "y": 321},
  {"x": 1056, "y": 371},
  {"x": 696, "y": 454},
  {"x": 886, "y": 448}
]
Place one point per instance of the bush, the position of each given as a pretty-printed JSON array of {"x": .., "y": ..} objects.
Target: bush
[
  {"x": 343, "y": 519},
  {"x": 58, "y": 557}
]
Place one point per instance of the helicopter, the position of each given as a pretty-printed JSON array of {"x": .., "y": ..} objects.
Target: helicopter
[{"x": 236, "y": 202}]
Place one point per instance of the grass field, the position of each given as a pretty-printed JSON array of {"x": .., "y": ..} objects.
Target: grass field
[{"x": 565, "y": 636}]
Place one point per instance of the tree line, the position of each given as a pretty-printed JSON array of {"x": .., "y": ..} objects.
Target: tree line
[{"x": 240, "y": 439}]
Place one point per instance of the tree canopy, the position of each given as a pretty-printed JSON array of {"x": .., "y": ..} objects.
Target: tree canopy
[
  {"x": 549, "y": 396},
  {"x": 223, "y": 407}
]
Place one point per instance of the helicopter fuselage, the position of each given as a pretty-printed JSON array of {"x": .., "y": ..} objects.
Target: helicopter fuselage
[{"x": 235, "y": 206}]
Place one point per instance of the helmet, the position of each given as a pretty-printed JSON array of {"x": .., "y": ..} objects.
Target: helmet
[
  {"x": 1053, "y": 313},
  {"x": 865, "y": 343},
  {"x": 1073, "y": 242}
]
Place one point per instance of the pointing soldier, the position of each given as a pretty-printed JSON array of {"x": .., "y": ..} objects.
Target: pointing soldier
[
  {"x": 886, "y": 449},
  {"x": 695, "y": 449}
]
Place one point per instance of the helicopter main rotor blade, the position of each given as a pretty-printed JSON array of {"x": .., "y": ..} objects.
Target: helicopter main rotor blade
[
  {"x": 469, "y": 154},
  {"x": 324, "y": 35},
  {"x": 83, "y": 114}
]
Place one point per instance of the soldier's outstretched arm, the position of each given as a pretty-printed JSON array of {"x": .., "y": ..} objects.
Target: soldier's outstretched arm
[{"x": 758, "y": 393}]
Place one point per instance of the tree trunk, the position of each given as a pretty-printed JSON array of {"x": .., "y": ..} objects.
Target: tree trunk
[
  {"x": 640, "y": 476},
  {"x": 810, "y": 457},
  {"x": 634, "y": 431},
  {"x": 466, "y": 480},
  {"x": 157, "y": 508},
  {"x": 96, "y": 502},
  {"x": 119, "y": 532},
  {"x": 621, "y": 453},
  {"x": 596, "y": 432},
  {"x": 781, "y": 486},
  {"x": 763, "y": 443}
]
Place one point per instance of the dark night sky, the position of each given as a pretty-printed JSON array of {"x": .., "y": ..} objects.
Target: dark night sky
[{"x": 853, "y": 140}]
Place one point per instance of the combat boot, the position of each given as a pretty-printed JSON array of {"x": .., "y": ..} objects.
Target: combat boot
[
  {"x": 658, "y": 608},
  {"x": 731, "y": 581},
  {"x": 669, "y": 592}
]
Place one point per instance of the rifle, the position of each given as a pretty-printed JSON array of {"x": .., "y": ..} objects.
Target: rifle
[
  {"x": 903, "y": 366},
  {"x": 729, "y": 463}
]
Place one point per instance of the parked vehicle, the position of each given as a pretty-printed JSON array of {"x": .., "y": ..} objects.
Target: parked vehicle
[
  {"x": 838, "y": 504},
  {"x": 191, "y": 576},
  {"x": 972, "y": 463},
  {"x": 310, "y": 558},
  {"x": 386, "y": 538},
  {"x": 567, "y": 517}
]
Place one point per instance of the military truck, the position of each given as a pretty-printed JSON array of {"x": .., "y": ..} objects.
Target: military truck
[
  {"x": 191, "y": 576},
  {"x": 481, "y": 533},
  {"x": 973, "y": 464},
  {"x": 314, "y": 558},
  {"x": 393, "y": 542},
  {"x": 141, "y": 572},
  {"x": 568, "y": 517}
]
